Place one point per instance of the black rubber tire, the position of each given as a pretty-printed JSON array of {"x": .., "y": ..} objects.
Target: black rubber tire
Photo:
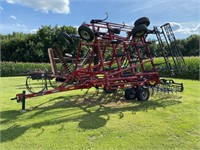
[
  {"x": 143, "y": 20},
  {"x": 86, "y": 33},
  {"x": 68, "y": 38},
  {"x": 130, "y": 94},
  {"x": 139, "y": 30},
  {"x": 182, "y": 88},
  {"x": 142, "y": 93},
  {"x": 115, "y": 30}
]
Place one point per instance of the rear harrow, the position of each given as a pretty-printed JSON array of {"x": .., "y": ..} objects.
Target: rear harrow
[{"x": 167, "y": 86}]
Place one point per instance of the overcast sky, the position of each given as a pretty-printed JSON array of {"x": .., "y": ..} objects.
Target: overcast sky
[{"x": 29, "y": 15}]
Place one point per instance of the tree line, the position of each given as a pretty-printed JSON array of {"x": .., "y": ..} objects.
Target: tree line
[{"x": 21, "y": 47}]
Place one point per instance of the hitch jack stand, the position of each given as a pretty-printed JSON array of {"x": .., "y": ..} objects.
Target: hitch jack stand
[{"x": 23, "y": 102}]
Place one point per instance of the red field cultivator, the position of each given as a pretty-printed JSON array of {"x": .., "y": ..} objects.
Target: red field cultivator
[{"x": 116, "y": 56}]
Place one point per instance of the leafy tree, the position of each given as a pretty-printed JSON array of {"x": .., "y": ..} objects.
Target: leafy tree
[
  {"x": 33, "y": 47},
  {"x": 192, "y": 45}
]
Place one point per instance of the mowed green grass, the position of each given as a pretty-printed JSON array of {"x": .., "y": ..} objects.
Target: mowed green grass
[{"x": 79, "y": 120}]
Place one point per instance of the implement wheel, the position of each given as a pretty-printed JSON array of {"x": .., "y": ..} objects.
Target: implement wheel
[
  {"x": 143, "y": 20},
  {"x": 56, "y": 82},
  {"x": 86, "y": 33},
  {"x": 67, "y": 38},
  {"x": 130, "y": 94},
  {"x": 36, "y": 84},
  {"x": 142, "y": 93},
  {"x": 139, "y": 30}
]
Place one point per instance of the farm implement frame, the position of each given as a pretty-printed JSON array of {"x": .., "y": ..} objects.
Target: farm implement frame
[{"x": 110, "y": 56}]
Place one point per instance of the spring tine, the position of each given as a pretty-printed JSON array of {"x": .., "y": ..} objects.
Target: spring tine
[
  {"x": 152, "y": 93},
  {"x": 87, "y": 91},
  {"x": 97, "y": 91}
]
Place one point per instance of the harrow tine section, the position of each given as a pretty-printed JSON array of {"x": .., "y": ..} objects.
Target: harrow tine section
[
  {"x": 168, "y": 86},
  {"x": 169, "y": 49}
]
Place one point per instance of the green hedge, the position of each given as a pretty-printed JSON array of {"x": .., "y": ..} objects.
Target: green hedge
[
  {"x": 20, "y": 68},
  {"x": 189, "y": 71}
]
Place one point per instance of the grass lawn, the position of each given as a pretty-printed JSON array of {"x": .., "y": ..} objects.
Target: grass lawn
[{"x": 76, "y": 120}]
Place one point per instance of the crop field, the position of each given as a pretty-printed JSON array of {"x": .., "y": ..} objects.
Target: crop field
[
  {"x": 190, "y": 70},
  {"x": 84, "y": 119}
]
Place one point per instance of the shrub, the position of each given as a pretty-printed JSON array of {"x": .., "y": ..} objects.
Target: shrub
[{"x": 20, "y": 68}]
